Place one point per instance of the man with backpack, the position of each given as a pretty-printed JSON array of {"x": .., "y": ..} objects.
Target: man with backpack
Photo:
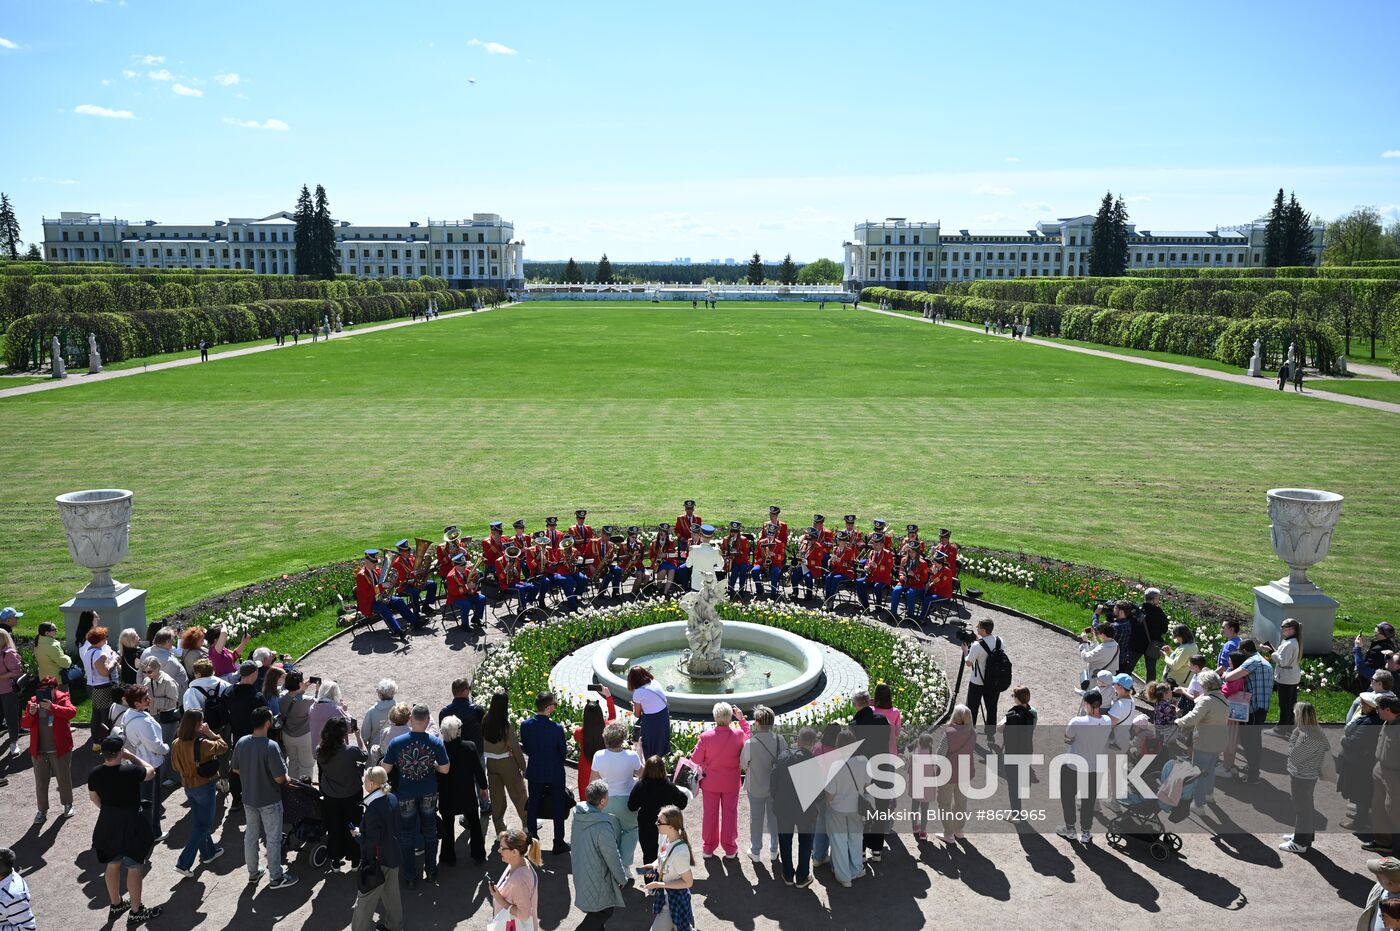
[
  {"x": 990, "y": 676},
  {"x": 241, "y": 701},
  {"x": 793, "y": 816}
]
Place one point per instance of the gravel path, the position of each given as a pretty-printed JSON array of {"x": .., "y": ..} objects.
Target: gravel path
[{"x": 1000, "y": 877}]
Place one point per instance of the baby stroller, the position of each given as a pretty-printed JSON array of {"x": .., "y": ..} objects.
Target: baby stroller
[
  {"x": 303, "y": 825},
  {"x": 1141, "y": 818}
]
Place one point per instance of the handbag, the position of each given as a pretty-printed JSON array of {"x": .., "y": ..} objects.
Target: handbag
[
  {"x": 207, "y": 769},
  {"x": 547, "y": 802},
  {"x": 1239, "y": 704},
  {"x": 371, "y": 873}
]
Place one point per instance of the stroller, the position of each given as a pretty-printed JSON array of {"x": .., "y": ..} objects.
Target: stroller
[
  {"x": 1141, "y": 818},
  {"x": 303, "y": 825}
]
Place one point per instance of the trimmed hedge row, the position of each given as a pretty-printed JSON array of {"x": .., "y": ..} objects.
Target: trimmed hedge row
[
  {"x": 1205, "y": 336},
  {"x": 127, "y": 293},
  {"x": 146, "y": 332},
  {"x": 1375, "y": 268}
]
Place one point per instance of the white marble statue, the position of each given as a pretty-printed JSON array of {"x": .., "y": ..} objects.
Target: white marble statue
[
  {"x": 704, "y": 628},
  {"x": 94, "y": 355},
  {"x": 59, "y": 369}
]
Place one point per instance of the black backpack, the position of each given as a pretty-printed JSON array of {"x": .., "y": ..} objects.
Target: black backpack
[
  {"x": 996, "y": 673},
  {"x": 216, "y": 713},
  {"x": 786, "y": 805}
]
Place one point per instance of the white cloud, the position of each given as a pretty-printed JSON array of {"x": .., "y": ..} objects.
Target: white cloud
[
  {"x": 184, "y": 91},
  {"x": 1037, "y": 205},
  {"x": 769, "y": 225},
  {"x": 996, "y": 190},
  {"x": 106, "y": 82},
  {"x": 988, "y": 219},
  {"x": 151, "y": 59},
  {"x": 227, "y": 80},
  {"x": 88, "y": 109},
  {"x": 128, "y": 73},
  {"x": 6, "y": 43},
  {"x": 1012, "y": 158},
  {"x": 1388, "y": 153},
  {"x": 54, "y": 180},
  {"x": 161, "y": 75},
  {"x": 277, "y": 125},
  {"x": 493, "y": 48}
]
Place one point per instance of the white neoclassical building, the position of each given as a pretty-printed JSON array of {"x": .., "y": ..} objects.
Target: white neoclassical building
[
  {"x": 899, "y": 253},
  {"x": 482, "y": 251}
]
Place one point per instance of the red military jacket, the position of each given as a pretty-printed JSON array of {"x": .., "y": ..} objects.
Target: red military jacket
[
  {"x": 554, "y": 563},
  {"x": 598, "y": 553},
  {"x": 659, "y": 555},
  {"x": 492, "y": 549},
  {"x": 443, "y": 554},
  {"x": 943, "y": 583},
  {"x": 916, "y": 577},
  {"x": 782, "y": 532},
  {"x": 816, "y": 551},
  {"x": 736, "y": 549},
  {"x": 828, "y": 538},
  {"x": 404, "y": 566},
  {"x": 880, "y": 567},
  {"x": 366, "y": 588},
  {"x": 950, "y": 552},
  {"x": 920, "y": 544},
  {"x": 459, "y": 584},
  {"x": 581, "y": 533},
  {"x": 773, "y": 549},
  {"x": 685, "y": 527},
  {"x": 842, "y": 559}
]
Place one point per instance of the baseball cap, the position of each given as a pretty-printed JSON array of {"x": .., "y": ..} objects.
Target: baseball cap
[
  {"x": 1384, "y": 866},
  {"x": 111, "y": 746},
  {"x": 1124, "y": 681},
  {"x": 9, "y": 614}
]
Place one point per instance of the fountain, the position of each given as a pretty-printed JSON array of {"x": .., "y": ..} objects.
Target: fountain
[
  {"x": 762, "y": 664},
  {"x": 1302, "y": 521}
]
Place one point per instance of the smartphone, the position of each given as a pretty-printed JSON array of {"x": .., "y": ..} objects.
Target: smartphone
[
  {"x": 315, "y": 680},
  {"x": 45, "y": 694},
  {"x": 594, "y": 687}
]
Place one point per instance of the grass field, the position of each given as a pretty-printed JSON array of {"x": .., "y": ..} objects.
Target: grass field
[{"x": 251, "y": 467}]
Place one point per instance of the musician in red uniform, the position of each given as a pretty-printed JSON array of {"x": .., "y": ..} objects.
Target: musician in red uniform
[
  {"x": 913, "y": 580},
  {"x": 940, "y": 587},
  {"x": 368, "y": 590},
  {"x": 880, "y": 527},
  {"x": 463, "y": 595},
  {"x": 841, "y": 567},
  {"x": 782, "y": 526},
  {"x": 551, "y": 530},
  {"x": 605, "y": 555},
  {"x": 665, "y": 556},
  {"x": 521, "y": 539},
  {"x": 407, "y": 567},
  {"x": 856, "y": 536},
  {"x": 687, "y": 528},
  {"x": 879, "y": 571},
  {"x": 581, "y": 532},
  {"x": 736, "y": 549},
  {"x": 948, "y": 548},
  {"x": 911, "y": 540},
  {"x": 450, "y": 546},
  {"x": 809, "y": 570},
  {"x": 493, "y": 548},
  {"x": 567, "y": 565},
  {"x": 770, "y": 554},
  {"x": 631, "y": 558},
  {"x": 828, "y": 537},
  {"x": 512, "y": 573}
]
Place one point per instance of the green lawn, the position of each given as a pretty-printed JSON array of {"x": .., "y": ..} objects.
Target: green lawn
[
  {"x": 1176, "y": 358},
  {"x": 1381, "y": 390},
  {"x": 256, "y": 466}
]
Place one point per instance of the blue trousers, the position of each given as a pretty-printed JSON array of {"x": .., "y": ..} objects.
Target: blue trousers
[
  {"x": 418, "y": 819},
  {"x": 537, "y": 789},
  {"x": 834, "y": 581},
  {"x": 202, "y": 804},
  {"x": 930, "y": 599},
  {"x": 415, "y": 594},
  {"x": 739, "y": 576},
  {"x": 801, "y": 575},
  {"x": 612, "y": 578},
  {"x": 387, "y": 610},
  {"x": 474, "y": 605},
  {"x": 571, "y": 583},
  {"x": 775, "y": 577},
  {"x": 912, "y": 598},
  {"x": 526, "y": 593},
  {"x": 864, "y": 587}
]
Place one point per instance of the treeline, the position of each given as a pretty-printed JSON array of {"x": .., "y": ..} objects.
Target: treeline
[
  {"x": 624, "y": 273},
  {"x": 151, "y": 330},
  {"x": 1203, "y": 335},
  {"x": 22, "y": 295},
  {"x": 1357, "y": 308}
]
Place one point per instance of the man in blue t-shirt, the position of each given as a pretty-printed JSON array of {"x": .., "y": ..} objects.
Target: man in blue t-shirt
[{"x": 415, "y": 759}]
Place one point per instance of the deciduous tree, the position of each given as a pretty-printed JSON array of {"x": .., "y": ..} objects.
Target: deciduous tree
[{"x": 820, "y": 271}]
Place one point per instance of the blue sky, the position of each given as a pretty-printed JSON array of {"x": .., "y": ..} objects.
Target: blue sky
[{"x": 658, "y": 130}]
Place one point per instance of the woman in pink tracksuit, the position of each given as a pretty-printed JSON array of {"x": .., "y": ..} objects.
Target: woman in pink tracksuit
[{"x": 717, "y": 755}]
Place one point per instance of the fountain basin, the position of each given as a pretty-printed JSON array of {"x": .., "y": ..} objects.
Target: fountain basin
[{"x": 796, "y": 664}]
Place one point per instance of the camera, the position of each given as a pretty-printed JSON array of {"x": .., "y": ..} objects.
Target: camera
[{"x": 966, "y": 637}]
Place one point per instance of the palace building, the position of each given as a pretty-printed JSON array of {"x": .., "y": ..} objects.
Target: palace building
[
  {"x": 480, "y": 252},
  {"x": 899, "y": 253}
]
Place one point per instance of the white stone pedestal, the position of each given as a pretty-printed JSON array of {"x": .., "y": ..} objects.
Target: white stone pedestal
[
  {"x": 1256, "y": 367},
  {"x": 1307, "y": 604},
  {"x": 126, "y": 609}
]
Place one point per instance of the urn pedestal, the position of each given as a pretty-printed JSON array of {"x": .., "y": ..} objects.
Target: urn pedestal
[
  {"x": 96, "y": 524},
  {"x": 1302, "y": 521}
]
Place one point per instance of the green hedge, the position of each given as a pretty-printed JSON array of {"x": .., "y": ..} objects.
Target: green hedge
[{"x": 145, "y": 332}]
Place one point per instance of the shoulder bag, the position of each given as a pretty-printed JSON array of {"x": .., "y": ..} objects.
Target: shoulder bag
[{"x": 371, "y": 874}]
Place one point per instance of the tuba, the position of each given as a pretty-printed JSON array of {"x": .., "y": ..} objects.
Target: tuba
[
  {"x": 422, "y": 567},
  {"x": 388, "y": 582}
]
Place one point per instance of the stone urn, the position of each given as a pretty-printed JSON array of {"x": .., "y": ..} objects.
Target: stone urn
[
  {"x": 1301, "y": 521},
  {"x": 96, "y": 523}
]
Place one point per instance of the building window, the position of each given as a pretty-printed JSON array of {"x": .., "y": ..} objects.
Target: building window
[
  {"x": 437, "y": 254},
  {"x": 126, "y": 253},
  {"x": 183, "y": 254},
  {"x": 872, "y": 273},
  {"x": 916, "y": 239},
  {"x": 65, "y": 235},
  {"x": 978, "y": 258},
  {"x": 480, "y": 237},
  {"x": 394, "y": 271},
  {"x": 381, "y": 255}
]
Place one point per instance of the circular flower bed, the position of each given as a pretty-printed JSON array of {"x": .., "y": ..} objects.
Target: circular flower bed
[{"x": 522, "y": 668}]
